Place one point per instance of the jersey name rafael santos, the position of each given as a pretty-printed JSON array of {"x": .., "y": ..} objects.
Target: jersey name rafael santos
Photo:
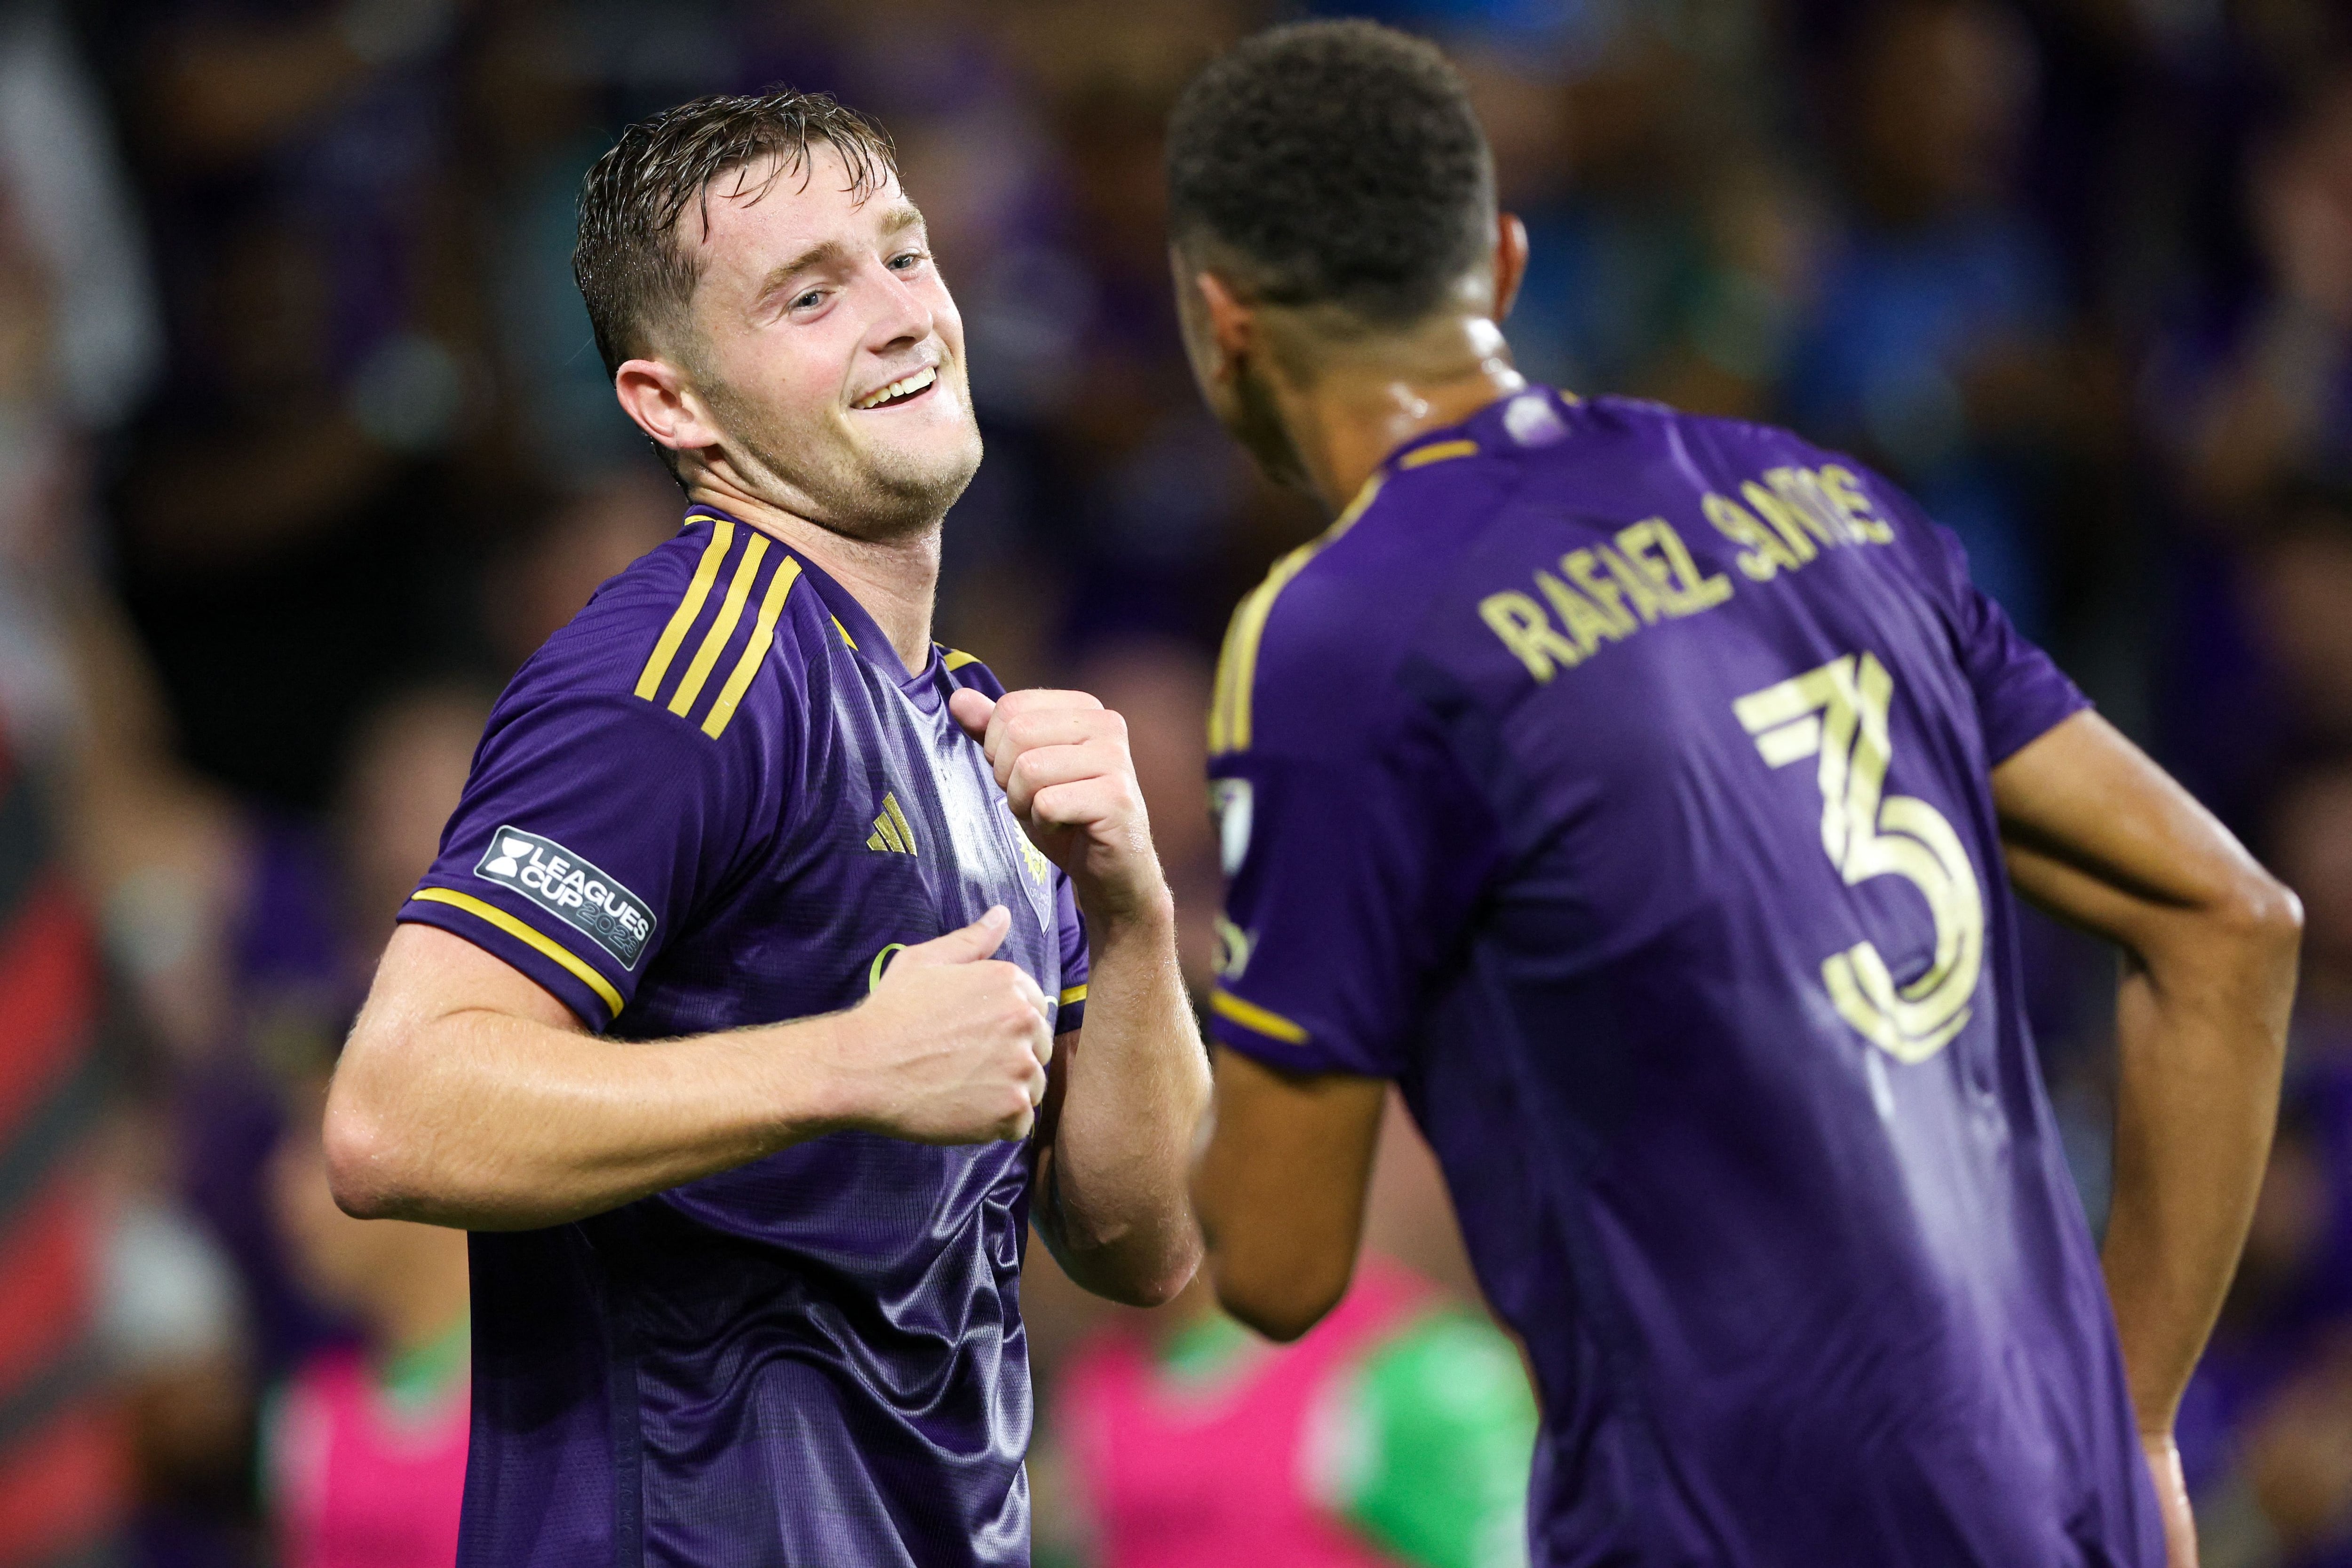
[{"x": 1617, "y": 781}]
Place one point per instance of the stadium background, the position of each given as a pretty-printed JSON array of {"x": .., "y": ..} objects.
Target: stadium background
[{"x": 303, "y": 446}]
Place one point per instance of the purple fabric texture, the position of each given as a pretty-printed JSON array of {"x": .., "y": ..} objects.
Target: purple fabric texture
[
  {"x": 1616, "y": 780},
  {"x": 717, "y": 800}
]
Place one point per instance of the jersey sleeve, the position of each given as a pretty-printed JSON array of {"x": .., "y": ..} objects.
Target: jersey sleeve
[
  {"x": 1354, "y": 848},
  {"x": 1439, "y": 1433},
  {"x": 1071, "y": 927},
  {"x": 2020, "y": 693},
  {"x": 590, "y": 827}
]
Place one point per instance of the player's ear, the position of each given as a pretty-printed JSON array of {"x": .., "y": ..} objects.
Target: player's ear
[
  {"x": 1511, "y": 261},
  {"x": 655, "y": 395},
  {"x": 1231, "y": 326}
]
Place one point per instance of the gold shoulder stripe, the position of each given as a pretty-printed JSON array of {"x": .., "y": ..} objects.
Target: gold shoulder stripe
[
  {"x": 522, "y": 933},
  {"x": 846, "y": 639},
  {"x": 1251, "y": 1016},
  {"x": 1230, "y": 700},
  {"x": 1073, "y": 994},
  {"x": 957, "y": 659},
  {"x": 755, "y": 652},
  {"x": 723, "y": 538},
  {"x": 714, "y": 642},
  {"x": 1438, "y": 452}
]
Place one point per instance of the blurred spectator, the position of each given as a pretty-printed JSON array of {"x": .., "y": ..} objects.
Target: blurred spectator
[
  {"x": 1930, "y": 348},
  {"x": 1398, "y": 1431},
  {"x": 2310, "y": 842},
  {"x": 2268, "y": 1424},
  {"x": 2281, "y": 405},
  {"x": 1161, "y": 686},
  {"x": 553, "y": 568},
  {"x": 64, "y": 1482},
  {"x": 370, "y": 455},
  {"x": 294, "y": 492},
  {"x": 363, "y": 1462}
]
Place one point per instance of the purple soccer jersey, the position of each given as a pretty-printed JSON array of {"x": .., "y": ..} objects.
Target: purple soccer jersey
[
  {"x": 717, "y": 798},
  {"x": 1617, "y": 781}
]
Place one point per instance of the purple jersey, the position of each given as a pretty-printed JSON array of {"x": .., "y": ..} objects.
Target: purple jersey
[
  {"x": 717, "y": 798},
  {"x": 1617, "y": 781}
]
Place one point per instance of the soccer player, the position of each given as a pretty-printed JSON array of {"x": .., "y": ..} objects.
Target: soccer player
[
  {"x": 1643, "y": 793},
  {"x": 777, "y": 970}
]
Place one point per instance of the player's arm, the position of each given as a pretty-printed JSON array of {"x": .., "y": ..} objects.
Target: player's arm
[
  {"x": 470, "y": 1096},
  {"x": 1279, "y": 1187},
  {"x": 1110, "y": 1177},
  {"x": 2098, "y": 835},
  {"x": 1362, "y": 848}
]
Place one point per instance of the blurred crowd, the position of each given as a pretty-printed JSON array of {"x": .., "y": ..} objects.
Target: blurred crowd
[{"x": 304, "y": 447}]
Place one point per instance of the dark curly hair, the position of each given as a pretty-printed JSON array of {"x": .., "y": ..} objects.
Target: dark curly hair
[
  {"x": 628, "y": 261},
  {"x": 1333, "y": 162}
]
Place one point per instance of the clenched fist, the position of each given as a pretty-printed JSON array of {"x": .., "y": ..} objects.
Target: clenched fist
[
  {"x": 950, "y": 1048},
  {"x": 1062, "y": 757}
]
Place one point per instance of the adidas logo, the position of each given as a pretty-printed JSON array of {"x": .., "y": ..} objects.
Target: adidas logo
[{"x": 893, "y": 834}]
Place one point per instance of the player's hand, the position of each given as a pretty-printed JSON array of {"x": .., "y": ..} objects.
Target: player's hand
[
  {"x": 1062, "y": 757},
  {"x": 2171, "y": 1498},
  {"x": 952, "y": 1045}
]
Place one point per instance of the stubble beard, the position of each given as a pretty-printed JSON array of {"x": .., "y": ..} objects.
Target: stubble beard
[{"x": 866, "y": 492}]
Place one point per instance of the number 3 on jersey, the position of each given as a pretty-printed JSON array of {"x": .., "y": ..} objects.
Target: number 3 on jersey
[{"x": 1838, "y": 713}]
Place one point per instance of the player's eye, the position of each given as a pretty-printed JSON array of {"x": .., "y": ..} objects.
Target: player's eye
[
  {"x": 810, "y": 301},
  {"x": 908, "y": 260}
]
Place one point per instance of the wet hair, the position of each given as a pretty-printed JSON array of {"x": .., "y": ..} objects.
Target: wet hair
[
  {"x": 1333, "y": 162},
  {"x": 632, "y": 268}
]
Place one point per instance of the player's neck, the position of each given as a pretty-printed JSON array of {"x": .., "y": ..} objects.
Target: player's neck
[
  {"x": 1364, "y": 404},
  {"x": 895, "y": 580}
]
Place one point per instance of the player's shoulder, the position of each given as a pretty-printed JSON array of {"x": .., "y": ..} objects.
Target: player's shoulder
[
  {"x": 707, "y": 634},
  {"x": 971, "y": 671},
  {"x": 1318, "y": 643}
]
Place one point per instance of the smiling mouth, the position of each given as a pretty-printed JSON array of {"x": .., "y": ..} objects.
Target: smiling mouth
[{"x": 900, "y": 390}]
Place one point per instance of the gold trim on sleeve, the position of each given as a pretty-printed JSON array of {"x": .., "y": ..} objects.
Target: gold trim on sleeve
[
  {"x": 522, "y": 933},
  {"x": 1251, "y": 1016}
]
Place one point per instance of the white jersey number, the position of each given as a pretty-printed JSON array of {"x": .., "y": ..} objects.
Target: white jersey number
[{"x": 1838, "y": 713}]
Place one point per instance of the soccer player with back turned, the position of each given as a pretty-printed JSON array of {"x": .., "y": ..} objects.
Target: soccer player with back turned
[
  {"x": 1643, "y": 793},
  {"x": 741, "y": 1014}
]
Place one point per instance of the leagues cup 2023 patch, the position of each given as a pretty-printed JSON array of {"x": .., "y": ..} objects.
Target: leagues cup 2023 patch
[{"x": 572, "y": 889}]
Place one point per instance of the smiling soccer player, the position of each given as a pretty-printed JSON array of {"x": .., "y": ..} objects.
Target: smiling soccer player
[
  {"x": 1643, "y": 793},
  {"x": 777, "y": 966}
]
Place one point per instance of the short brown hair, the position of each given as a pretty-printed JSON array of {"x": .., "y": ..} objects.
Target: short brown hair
[{"x": 630, "y": 267}]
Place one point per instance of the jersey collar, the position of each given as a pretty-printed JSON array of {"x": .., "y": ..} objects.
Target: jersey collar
[
  {"x": 1535, "y": 416},
  {"x": 857, "y": 629}
]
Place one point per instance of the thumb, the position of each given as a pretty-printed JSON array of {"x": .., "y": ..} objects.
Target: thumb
[
  {"x": 968, "y": 945},
  {"x": 972, "y": 710}
]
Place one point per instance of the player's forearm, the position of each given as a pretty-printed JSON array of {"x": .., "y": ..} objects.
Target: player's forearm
[
  {"x": 2201, "y": 1029},
  {"x": 1112, "y": 1200},
  {"x": 488, "y": 1121}
]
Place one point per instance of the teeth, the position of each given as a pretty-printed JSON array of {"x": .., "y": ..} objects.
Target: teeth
[{"x": 899, "y": 388}]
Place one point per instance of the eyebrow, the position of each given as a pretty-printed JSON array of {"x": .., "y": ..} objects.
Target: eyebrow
[{"x": 898, "y": 221}]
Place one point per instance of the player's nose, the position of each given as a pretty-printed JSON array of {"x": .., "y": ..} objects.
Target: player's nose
[{"x": 902, "y": 316}]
